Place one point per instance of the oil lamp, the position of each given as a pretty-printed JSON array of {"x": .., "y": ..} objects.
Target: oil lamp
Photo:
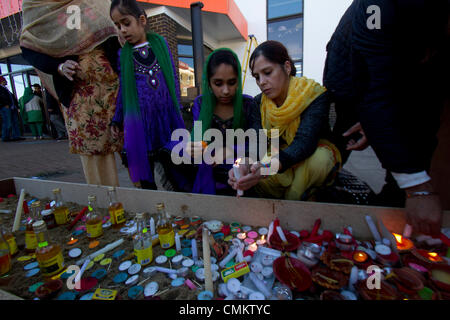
[{"x": 403, "y": 244}]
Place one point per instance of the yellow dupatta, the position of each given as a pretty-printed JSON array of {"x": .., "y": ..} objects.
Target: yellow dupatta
[{"x": 286, "y": 118}]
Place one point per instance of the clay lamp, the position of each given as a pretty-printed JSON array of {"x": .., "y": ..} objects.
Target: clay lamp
[
  {"x": 330, "y": 279},
  {"x": 49, "y": 289},
  {"x": 292, "y": 272},
  {"x": 440, "y": 275},
  {"x": 406, "y": 280},
  {"x": 403, "y": 244},
  {"x": 427, "y": 257},
  {"x": 344, "y": 242},
  {"x": 360, "y": 258},
  {"x": 385, "y": 292}
]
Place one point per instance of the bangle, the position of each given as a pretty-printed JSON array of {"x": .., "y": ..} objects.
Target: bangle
[
  {"x": 60, "y": 68},
  {"x": 420, "y": 193}
]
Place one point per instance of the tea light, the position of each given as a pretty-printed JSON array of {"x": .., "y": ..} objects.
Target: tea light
[
  {"x": 249, "y": 241},
  {"x": 433, "y": 256},
  {"x": 256, "y": 267},
  {"x": 382, "y": 249},
  {"x": 75, "y": 253},
  {"x": 263, "y": 231},
  {"x": 72, "y": 241},
  {"x": 360, "y": 256},
  {"x": 403, "y": 244},
  {"x": 261, "y": 241},
  {"x": 252, "y": 247},
  {"x": 241, "y": 236},
  {"x": 194, "y": 249},
  {"x": 253, "y": 234}
]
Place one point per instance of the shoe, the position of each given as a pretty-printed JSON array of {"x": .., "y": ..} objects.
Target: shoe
[
  {"x": 34, "y": 138},
  {"x": 40, "y": 138}
]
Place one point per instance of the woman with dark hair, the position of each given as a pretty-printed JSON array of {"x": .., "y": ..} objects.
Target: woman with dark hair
[
  {"x": 297, "y": 109},
  {"x": 77, "y": 65},
  {"x": 222, "y": 106}
]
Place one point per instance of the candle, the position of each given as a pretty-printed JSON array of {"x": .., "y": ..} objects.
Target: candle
[
  {"x": 261, "y": 241},
  {"x": 407, "y": 231},
  {"x": 72, "y": 241},
  {"x": 373, "y": 228},
  {"x": 252, "y": 247},
  {"x": 281, "y": 234},
  {"x": 382, "y": 249},
  {"x": 433, "y": 256},
  {"x": 177, "y": 242},
  {"x": 207, "y": 261},
  {"x": 360, "y": 256},
  {"x": 194, "y": 249},
  {"x": 228, "y": 258},
  {"x": 18, "y": 211},
  {"x": 104, "y": 250},
  {"x": 78, "y": 277},
  {"x": 241, "y": 236},
  {"x": 237, "y": 175},
  {"x": 403, "y": 244},
  {"x": 152, "y": 226}
]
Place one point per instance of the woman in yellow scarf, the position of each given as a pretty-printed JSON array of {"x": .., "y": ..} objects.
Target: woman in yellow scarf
[{"x": 297, "y": 109}]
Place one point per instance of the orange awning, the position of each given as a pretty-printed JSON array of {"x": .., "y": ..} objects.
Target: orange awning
[
  {"x": 227, "y": 8},
  {"x": 9, "y": 7}
]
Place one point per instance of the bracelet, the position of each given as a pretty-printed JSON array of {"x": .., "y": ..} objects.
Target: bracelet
[
  {"x": 420, "y": 193},
  {"x": 60, "y": 68}
]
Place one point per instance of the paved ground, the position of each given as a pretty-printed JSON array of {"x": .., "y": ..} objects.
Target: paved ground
[{"x": 51, "y": 160}]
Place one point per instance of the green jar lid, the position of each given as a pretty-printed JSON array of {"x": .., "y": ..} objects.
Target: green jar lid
[
  {"x": 235, "y": 224},
  {"x": 170, "y": 253}
]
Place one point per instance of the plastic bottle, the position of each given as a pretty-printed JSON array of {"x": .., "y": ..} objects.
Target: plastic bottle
[
  {"x": 49, "y": 256},
  {"x": 164, "y": 228},
  {"x": 30, "y": 236},
  {"x": 9, "y": 237},
  {"x": 5, "y": 257},
  {"x": 94, "y": 223},
  {"x": 116, "y": 211},
  {"x": 142, "y": 242},
  {"x": 60, "y": 211}
]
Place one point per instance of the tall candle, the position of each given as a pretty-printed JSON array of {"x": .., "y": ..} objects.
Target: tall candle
[
  {"x": 177, "y": 242},
  {"x": 281, "y": 233},
  {"x": 373, "y": 228},
  {"x": 237, "y": 175},
  {"x": 207, "y": 261},
  {"x": 152, "y": 226},
  {"x": 194, "y": 249},
  {"x": 18, "y": 211},
  {"x": 228, "y": 258}
]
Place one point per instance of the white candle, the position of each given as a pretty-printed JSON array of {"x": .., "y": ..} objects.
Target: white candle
[
  {"x": 383, "y": 249},
  {"x": 18, "y": 211},
  {"x": 407, "y": 231},
  {"x": 237, "y": 175},
  {"x": 104, "y": 250},
  {"x": 261, "y": 241},
  {"x": 270, "y": 232},
  {"x": 207, "y": 261},
  {"x": 228, "y": 258},
  {"x": 152, "y": 226},
  {"x": 252, "y": 247},
  {"x": 194, "y": 249},
  {"x": 260, "y": 285},
  {"x": 177, "y": 242},
  {"x": 241, "y": 236},
  {"x": 373, "y": 228},
  {"x": 80, "y": 274},
  {"x": 165, "y": 270},
  {"x": 281, "y": 233}
]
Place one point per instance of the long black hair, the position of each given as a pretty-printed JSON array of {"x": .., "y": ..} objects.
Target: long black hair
[
  {"x": 127, "y": 7},
  {"x": 275, "y": 52}
]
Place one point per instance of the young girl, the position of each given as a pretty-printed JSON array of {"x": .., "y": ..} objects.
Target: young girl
[
  {"x": 222, "y": 106},
  {"x": 148, "y": 101}
]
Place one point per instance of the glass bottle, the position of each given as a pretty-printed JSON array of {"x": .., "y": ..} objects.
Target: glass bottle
[
  {"x": 5, "y": 257},
  {"x": 30, "y": 236},
  {"x": 164, "y": 228},
  {"x": 142, "y": 242},
  {"x": 115, "y": 209},
  {"x": 60, "y": 211},
  {"x": 9, "y": 237},
  {"x": 49, "y": 256},
  {"x": 94, "y": 223}
]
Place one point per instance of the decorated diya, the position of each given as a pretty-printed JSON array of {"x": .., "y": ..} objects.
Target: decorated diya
[
  {"x": 328, "y": 278},
  {"x": 407, "y": 280},
  {"x": 427, "y": 257},
  {"x": 337, "y": 262},
  {"x": 440, "y": 275},
  {"x": 49, "y": 289},
  {"x": 292, "y": 272},
  {"x": 385, "y": 292}
]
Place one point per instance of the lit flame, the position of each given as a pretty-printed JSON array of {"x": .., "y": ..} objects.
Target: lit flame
[
  {"x": 262, "y": 238},
  {"x": 433, "y": 254},
  {"x": 238, "y": 161},
  {"x": 398, "y": 237}
]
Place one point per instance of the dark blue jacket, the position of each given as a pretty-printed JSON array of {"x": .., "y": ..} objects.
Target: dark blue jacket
[{"x": 391, "y": 77}]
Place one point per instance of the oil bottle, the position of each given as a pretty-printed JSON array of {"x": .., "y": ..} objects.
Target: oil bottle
[
  {"x": 30, "y": 236},
  {"x": 164, "y": 228},
  {"x": 9, "y": 237},
  {"x": 115, "y": 209},
  {"x": 5, "y": 257},
  {"x": 49, "y": 256},
  {"x": 142, "y": 242},
  {"x": 60, "y": 211},
  {"x": 94, "y": 223}
]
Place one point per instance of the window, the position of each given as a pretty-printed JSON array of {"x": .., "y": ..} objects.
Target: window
[
  {"x": 285, "y": 24},
  {"x": 186, "y": 67}
]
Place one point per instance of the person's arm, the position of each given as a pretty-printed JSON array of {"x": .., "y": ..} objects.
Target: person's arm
[{"x": 43, "y": 62}]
